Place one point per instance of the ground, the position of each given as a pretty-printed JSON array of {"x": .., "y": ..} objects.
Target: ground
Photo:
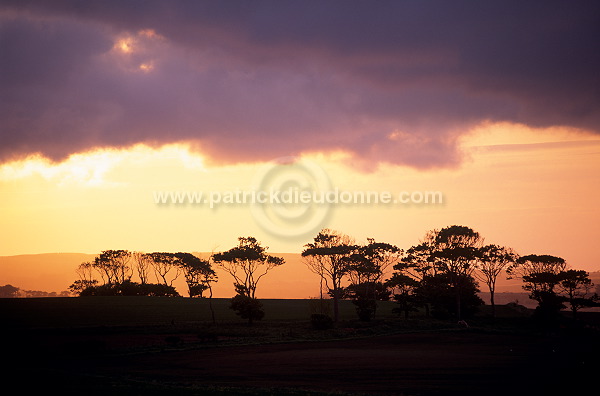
[{"x": 388, "y": 356}]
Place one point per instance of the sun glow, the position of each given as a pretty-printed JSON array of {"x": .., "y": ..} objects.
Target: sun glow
[
  {"x": 125, "y": 45},
  {"x": 87, "y": 169},
  {"x": 91, "y": 168},
  {"x": 504, "y": 133},
  {"x": 147, "y": 67},
  {"x": 136, "y": 52}
]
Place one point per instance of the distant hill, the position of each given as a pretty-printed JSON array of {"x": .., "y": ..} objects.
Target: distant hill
[
  {"x": 47, "y": 272},
  {"x": 56, "y": 271}
]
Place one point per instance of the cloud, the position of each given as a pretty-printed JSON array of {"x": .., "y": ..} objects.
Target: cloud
[{"x": 397, "y": 83}]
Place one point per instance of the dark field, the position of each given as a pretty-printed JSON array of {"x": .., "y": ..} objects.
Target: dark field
[{"x": 168, "y": 346}]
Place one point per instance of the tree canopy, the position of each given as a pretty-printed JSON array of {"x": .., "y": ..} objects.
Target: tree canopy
[
  {"x": 327, "y": 257},
  {"x": 247, "y": 263}
]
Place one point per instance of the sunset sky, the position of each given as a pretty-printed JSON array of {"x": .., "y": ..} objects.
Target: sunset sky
[{"x": 103, "y": 104}]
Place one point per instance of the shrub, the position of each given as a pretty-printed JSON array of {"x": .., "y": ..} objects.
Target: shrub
[
  {"x": 321, "y": 321},
  {"x": 365, "y": 309},
  {"x": 247, "y": 308},
  {"x": 129, "y": 288}
]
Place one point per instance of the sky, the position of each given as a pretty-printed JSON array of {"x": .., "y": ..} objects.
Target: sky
[{"x": 108, "y": 107}]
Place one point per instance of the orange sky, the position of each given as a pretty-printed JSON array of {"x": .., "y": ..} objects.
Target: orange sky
[
  {"x": 104, "y": 112},
  {"x": 534, "y": 190}
]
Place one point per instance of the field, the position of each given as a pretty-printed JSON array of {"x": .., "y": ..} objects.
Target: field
[{"x": 170, "y": 346}]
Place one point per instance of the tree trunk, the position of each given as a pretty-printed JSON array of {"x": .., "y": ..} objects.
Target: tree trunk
[
  {"x": 321, "y": 288},
  {"x": 492, "y": 288},
  {"x": 212, "y": 310},
  {"x": 322, "y": 302},
  {"x": 335, "y": 306}
]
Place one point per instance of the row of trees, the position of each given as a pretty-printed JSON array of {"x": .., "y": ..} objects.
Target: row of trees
[
  {"x": 247, "y": 263},
  {"x": 552, "y": 284},
  {"x": 10, "y": 291},
  {"x": 116, "y": 269},
  {"x": 441, "y": 274}
]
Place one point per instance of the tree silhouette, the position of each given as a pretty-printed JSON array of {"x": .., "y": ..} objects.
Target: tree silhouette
[
  {"x": 541, "y": 274},
  {"x": 368, "y": 263},
  {"x": 85, "y": 271},
  {"x": 327, "y": 257},
  {"x": 446, "y": 255},
  {"x": 113, "y": 266},
  {"x": 493, "y": 259},
  {"x": 533, "y": 263},
  {"x": 247, "y": 263},
  {"x": 198, "y": 273},
  {"x": 129, "y": 288},
  {"x": 404, "y": 290},
  {"x": 417, "y": 261},
  {"x": 366, "y": 268},
  {"x": 440, "y": 291},
  {"x": 456, "y": 249},
  {"x": 576, "y": 286},
  {"x": 79, "y": 286},
  {"x": 143, "y": 263},
  {"x": 9, "y": 291},
  {"x": 415, "y": 265},
  {"x": 247, "y": 308},
  {"x": 166, "y": 267}
]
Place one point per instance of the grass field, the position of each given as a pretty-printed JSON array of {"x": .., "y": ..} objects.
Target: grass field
[
  {"x": 140, "y": 311},
  {"x": 169, "y": 346}
]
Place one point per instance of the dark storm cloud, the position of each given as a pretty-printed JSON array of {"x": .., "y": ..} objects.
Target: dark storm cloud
[{"x": 394, "y": 82}]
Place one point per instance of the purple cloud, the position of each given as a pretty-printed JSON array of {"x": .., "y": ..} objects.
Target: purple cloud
[{"x": 395, "y": 82}]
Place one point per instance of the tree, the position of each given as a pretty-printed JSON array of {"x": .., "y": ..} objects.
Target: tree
[
  {"x": 533, "y": 263},
  {"x": 415, "y": 265},
  {"x": 143, "y": 263},
  {"x": 448, "y": 255},
  {"x": 576, "y": 286},
  {"x": 166, "y": 267},
  {"x": 9, "y": 291},
  {"x": 403, "y": 288},
  {"x": 417, "y": 261},
  {"x": 493, "y": 259},
  {"x": 366, "y": 268},
  {"x": 541, "y": 287},
  {"x": 113, "y": 266},
  {"x": 209, "y": 278},
  {"x": 369, "y": 262},
  {"x": 247, "y": 308},
  {"x": 198, "y": 273},
  {"x": 456, "y": 250},
  {"x": 327, "y": 257},
  {"x": 541, "y": 274},
  {"x": 247, "y": 263},
  {"x": 85, "y": 271},
  {"x": 79, "y": 286},
  {"x": 440, "y": 291},
  {"x": 129, "y": 288}
]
